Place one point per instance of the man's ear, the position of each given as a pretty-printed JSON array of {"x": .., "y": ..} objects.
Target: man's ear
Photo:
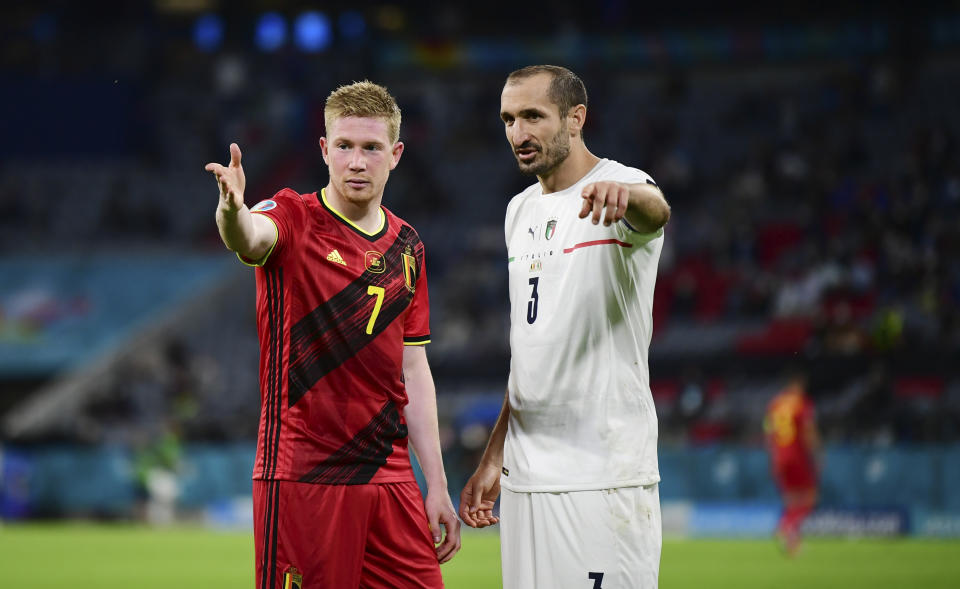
[
  {"x": 576, "y": 119},
  {"x": 324, "y": 146},
  {"x": 397, "y": 151}
]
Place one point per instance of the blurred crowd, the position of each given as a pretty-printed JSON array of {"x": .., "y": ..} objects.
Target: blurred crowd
[{"x": 816, "y": 214}]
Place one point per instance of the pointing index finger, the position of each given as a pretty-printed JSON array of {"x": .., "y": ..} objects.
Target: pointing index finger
[
  {"x": 599, "y": 202},
  {"x": 587, "y": 203}
]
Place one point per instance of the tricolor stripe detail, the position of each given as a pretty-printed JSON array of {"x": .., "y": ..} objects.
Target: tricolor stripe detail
[
  {"x": 416, "y": 341},
  {"x": 567, "y": 250},
  {"x": 271, "y": 439}
]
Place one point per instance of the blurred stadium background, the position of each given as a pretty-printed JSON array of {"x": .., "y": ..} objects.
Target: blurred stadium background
[{"x": 810, "y": 157}]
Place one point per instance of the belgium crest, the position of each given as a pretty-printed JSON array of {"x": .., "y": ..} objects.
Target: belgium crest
[
  {"x": 292, "y": 579},
  {"x": 409, "y": 269}
]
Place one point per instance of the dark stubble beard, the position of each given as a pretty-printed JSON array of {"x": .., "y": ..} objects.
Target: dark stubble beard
[{"x": 556, "y": 150}]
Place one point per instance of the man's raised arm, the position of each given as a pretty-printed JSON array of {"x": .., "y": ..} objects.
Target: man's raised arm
[{"x": 249, "y": 235}]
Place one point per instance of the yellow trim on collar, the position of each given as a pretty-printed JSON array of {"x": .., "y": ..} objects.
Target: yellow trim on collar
[{"x": 383, "y": 217}]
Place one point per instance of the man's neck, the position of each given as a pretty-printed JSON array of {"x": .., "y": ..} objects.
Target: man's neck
[
  {"x": 570, "y": 171},
  {"x": 366, "y": 215}
]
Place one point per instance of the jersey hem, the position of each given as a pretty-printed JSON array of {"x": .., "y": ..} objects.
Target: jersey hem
[
  {"x": 398, "y": 478},
  {"x": 563, "y": 488}
]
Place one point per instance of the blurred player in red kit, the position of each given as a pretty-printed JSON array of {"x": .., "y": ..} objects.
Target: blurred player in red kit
[
  {"x": 794, "y": 444},
  {"x": 342, "y": 317}
]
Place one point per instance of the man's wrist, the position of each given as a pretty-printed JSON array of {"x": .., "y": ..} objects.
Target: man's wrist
[
  {"x": 437, "y": 485},
  {"x": 496, "y": 463},
  {"x": 229, "y": 211}
]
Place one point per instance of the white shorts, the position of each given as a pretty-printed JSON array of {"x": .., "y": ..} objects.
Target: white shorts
[{"x": 609, "y": 539}]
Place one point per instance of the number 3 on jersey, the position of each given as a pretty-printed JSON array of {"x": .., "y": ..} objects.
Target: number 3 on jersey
[{"x": 534, "y": 299}]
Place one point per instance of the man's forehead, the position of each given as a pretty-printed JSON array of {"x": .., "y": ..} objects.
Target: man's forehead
[
  {"x": 360, "y": 128},
  {"x": 524, "y": 92}
]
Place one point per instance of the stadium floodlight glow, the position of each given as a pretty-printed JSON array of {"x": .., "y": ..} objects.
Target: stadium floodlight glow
[
  {"x": 312, "y": 31},
  {"x": 208, "y": 32},
  {"x": 271, "y": 32},
  {"x": 352, "y": 25}
]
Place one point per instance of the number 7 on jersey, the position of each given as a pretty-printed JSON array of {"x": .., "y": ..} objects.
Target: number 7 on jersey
[{"x": 378, "y": 292}]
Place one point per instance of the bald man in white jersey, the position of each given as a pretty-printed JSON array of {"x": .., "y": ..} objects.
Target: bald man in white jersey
[{"x": 575, "y": 446}]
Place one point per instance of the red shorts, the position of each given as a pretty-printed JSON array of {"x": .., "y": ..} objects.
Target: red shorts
[{"x": 342, "y": 536}]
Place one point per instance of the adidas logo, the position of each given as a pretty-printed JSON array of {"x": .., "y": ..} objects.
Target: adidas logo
[{"x": 334, "y": 256}]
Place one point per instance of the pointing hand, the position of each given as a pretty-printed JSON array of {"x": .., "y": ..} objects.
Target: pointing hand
[{"x": 230, "y": 179}]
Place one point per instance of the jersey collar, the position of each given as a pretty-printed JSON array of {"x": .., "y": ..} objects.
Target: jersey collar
[{"x": 322, "y": 197}]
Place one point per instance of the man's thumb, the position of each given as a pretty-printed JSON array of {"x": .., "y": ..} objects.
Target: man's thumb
[{"x": 235, "y": 155}]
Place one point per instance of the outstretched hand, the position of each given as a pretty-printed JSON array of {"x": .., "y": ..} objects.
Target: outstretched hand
[
  {"x": 230, "y": 179},
  {"x": 606, "y": 199},
  {"x": 479, "y": 496}
]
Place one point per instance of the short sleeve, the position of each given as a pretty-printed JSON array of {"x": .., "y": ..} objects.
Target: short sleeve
[
  {"x": 288, "y": 212},
  {"x": 416, "y": 326},
  {"x": 623, "y": 228}
]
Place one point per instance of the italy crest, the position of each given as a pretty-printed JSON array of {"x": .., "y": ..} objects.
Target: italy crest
[{"x": 551, "y": 229}]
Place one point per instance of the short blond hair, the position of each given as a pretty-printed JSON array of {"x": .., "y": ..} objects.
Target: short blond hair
[{"x": 364, "y": 99}]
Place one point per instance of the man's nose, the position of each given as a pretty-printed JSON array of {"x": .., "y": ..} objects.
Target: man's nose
[
  {"x": 520, "y": 134},
  {"x": 357, "y": 161}
]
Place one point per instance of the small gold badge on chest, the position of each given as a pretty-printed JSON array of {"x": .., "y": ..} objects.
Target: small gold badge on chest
[{"x": 373, "y": 262}]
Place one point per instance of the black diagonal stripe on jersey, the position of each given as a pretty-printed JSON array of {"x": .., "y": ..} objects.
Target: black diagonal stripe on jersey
[
  {"x": 358, "y": 460},
  {"x": 336, "y": 330}
]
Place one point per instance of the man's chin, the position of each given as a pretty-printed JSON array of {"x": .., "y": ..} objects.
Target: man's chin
[
  {"x": 532, "y": 169},
  {"x": 358, "y": 196}
]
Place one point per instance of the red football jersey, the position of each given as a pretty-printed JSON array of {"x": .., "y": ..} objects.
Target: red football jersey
[
  {"x": 335, "y": 307},
  {"x": 788, "y": 415}
]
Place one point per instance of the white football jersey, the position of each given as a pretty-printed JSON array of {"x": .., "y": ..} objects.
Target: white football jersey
[{"x": 581, "y": 301}]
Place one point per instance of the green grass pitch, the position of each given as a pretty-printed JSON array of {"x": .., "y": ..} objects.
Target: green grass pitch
[{"x": 83, "y": 556}]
